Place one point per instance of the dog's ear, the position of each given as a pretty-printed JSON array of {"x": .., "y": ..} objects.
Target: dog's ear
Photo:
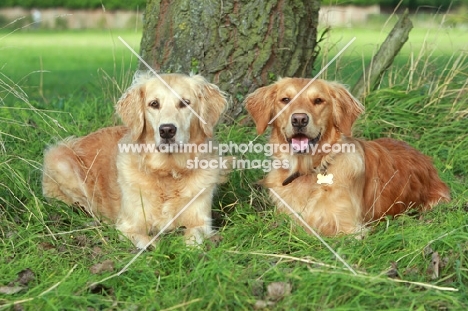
[
  {"x": 346, "y": 108},
  {"x": 213, "y": 102},
  {"x": 130, "y": 108},
  {"x": 260, "y": 106}
]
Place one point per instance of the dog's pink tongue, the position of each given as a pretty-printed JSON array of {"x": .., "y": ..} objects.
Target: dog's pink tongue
[{"x": 300, "y": 143}]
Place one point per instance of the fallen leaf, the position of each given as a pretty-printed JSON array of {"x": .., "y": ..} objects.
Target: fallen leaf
[
  {"x": 101, "y": 290},
  {"x": 97, "y": 250},
  {"x": 32, "y": 123},
  {"x": 428, "y": 250},
  {"x": 411, "y": 271},
  {"x": 10, "y": 290},
  {"x": 262, "y": 304},
  {"x": 10, "y": 234},
  {"x": 81, "y": 240},
  {"x": 61, "y": 248},
  {"x": 435, "y": 265},
  {"x": 258, "y": 288},
  {"x": 393, "y": 272},
  {"x": 445, "y": 261},
  {"x": 216, "y": 239},
  {"x": 278, "y": 290},
  {"x": 46, "y": 246},
  {"x": 93, "y": 223},
  {"x": 24, "y": 277},
  {"x": 55, "y": 218},
  {"x": 213, "y": 241},
  {"x": 18, "y": 307},
  {"x": 105, "y": 266}
]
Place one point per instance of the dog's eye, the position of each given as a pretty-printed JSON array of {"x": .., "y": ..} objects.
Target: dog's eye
[
  {"x": 285, "y": 100},
  {"x": 318, "y": 101},
  {"x": 184, "y": 103},
  {"x": 154, "y": 104}
]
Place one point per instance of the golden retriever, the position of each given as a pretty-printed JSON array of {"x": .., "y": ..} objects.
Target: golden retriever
[
  {"x": 335, "y": 188},
  {"x": 142, "y": 191}
]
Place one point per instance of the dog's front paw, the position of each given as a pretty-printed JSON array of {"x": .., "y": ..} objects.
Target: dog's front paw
[
  {"x": 141, "y": 241},
  {"x": 195, "y": 236},
  {"x": 144, "y": 242},
  {"x": 361, "y": 233}
]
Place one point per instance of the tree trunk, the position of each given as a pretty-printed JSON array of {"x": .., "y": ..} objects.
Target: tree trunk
[
  {"x": 384, "y": 57},
  {"x": 239, "y": 45}
]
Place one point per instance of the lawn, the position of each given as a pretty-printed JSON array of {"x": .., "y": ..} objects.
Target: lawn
[
  {"x": 51, "y": 66},
  {"x": 65, "y": 83}
]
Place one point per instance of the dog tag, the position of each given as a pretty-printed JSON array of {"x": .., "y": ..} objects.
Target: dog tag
[{"x": 325, "y": 179}]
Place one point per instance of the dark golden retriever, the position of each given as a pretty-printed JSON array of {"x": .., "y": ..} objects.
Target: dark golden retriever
[{"x": 338, "y": 183}]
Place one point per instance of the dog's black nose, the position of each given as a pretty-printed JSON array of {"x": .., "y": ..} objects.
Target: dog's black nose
[
  {"x": 167, "y": 131},
  {"x": 299, "y": 119}
]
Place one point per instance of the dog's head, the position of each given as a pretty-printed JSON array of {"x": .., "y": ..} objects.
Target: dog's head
[
  {"x": 172, "y": 109},
  {"x": 303, "y": 116}
]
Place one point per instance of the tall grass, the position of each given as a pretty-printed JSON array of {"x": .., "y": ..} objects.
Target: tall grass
[{"x": 423, "y": 100}]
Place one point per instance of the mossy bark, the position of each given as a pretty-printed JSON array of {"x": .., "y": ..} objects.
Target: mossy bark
[{"x": 239, "y": 45}]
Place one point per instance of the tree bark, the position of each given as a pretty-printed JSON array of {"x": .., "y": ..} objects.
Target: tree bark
[
  {"x": 239, "y": 45},
  {"x": 384, "y": 57}
]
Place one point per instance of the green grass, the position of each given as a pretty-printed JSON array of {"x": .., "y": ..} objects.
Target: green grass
[
  {"x": 427, "y": 108},
  {"x": 434, "y": 45},
  {"x": 55, "y": 66}
]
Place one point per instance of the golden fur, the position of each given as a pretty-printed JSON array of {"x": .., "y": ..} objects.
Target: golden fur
[
  {"x": 142, "y": 191},
  {"x": 381, "y": 177}
]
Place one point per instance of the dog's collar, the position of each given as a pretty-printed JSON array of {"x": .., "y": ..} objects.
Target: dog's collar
[
  {"x": 291, "y": 178},
  {"x": 320, "y": 169},
  {"x": 294, "y": 176}
]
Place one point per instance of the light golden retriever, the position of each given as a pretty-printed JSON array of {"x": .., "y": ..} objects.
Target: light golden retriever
[
  {"x": 334, "y": 188},
  {"x": 142, "y": 191}
]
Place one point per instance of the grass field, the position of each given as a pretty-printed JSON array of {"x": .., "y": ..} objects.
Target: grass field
[{"x": 58, "y": 84}]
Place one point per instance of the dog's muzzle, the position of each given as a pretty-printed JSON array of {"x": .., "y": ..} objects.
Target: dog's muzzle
[
  {"x": 299, "y": 120},
  {"x": 300, "y": 141},
  {"x": 167, "y": 131}
]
